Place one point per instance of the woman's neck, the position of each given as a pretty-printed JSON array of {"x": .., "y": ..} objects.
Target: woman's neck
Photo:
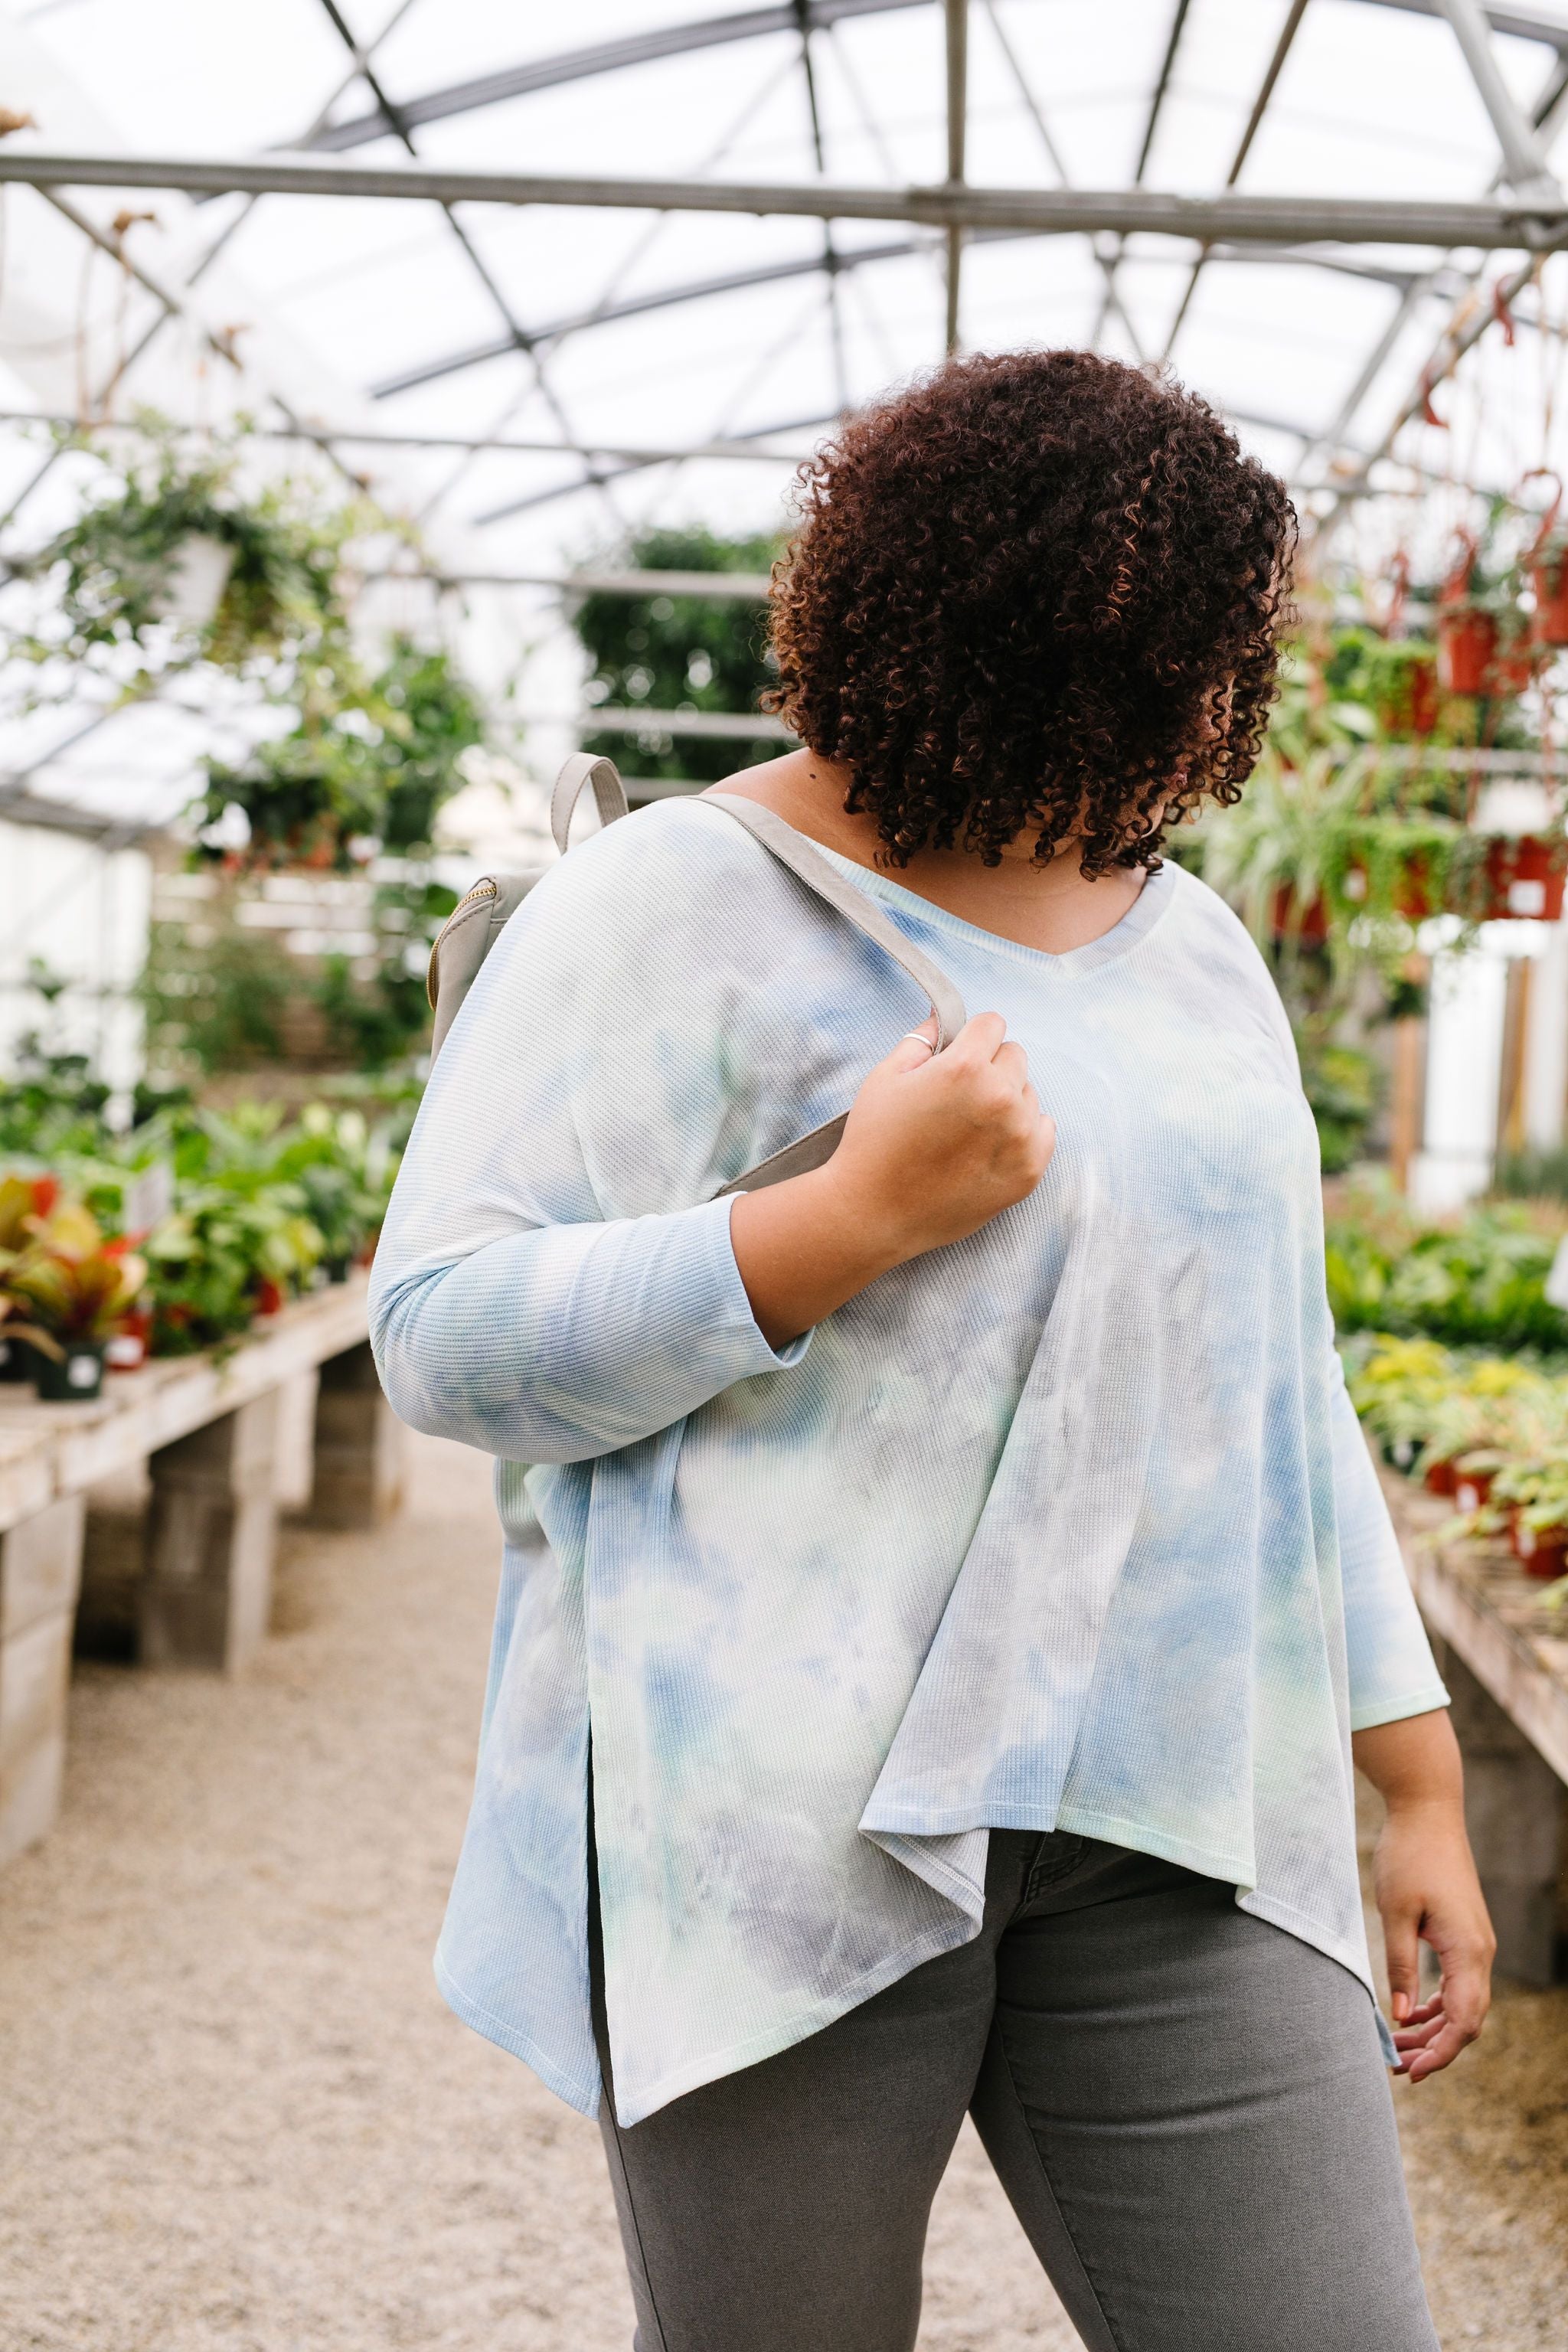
[{"x": 1052, "y": 907}]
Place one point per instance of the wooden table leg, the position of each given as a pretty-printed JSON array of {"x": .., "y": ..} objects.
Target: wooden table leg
[
  {"x": 207, "y": 1593},
  {"x": 40, "y": 1572},
  {"x": 359, "y": 1446},
  {"x": 1516, "y": 1809}
]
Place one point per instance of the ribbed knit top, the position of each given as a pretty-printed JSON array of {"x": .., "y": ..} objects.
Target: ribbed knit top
[{"x": 1069, "y": 1523}]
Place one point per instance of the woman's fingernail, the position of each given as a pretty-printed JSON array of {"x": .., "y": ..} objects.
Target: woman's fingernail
[{"x": 1401, "y": 2007}]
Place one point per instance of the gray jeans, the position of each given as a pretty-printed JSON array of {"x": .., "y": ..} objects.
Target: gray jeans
[{"x": 1186, "y": 2108}]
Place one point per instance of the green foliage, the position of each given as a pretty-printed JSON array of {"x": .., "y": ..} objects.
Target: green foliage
[
  {"x": 368, "y": 760},
  {"x": 234, "y": 1000},
  {"x": 114, "y": 567},
  {"x": 219, "y": 1006},
  {"x": 1423, "y": 1403},
  {"x": 377, "y": 1022},
  {"x": 53, "y": 1103},
  {"x": 366, "y": 767},
  {"x": 261, "y": 1207},
  {"x": 1340, "y": 1086},
  {"x": 1533, "y": 1175},
  {"x": 1480, "y": 1280},
  {"x": 680, "y": 653},
  {"x": 1324, "y": 835}
]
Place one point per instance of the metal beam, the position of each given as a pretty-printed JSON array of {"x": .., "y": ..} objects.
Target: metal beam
[
  {"x": 1287, "y": 32},
  {"x": 318, "y": 437},
  {"x": 637, "y": 306},
  {"x": 1481, "y": 222},
  {"x": 605, "y": 57},
  {"x": 956, "y": 12},
  {"x": 1522, "y": 23},
  {"x": 1547, "y": 116},
  {"x": 724, "y": 726},
  {"x": 677, "y": 40},
  {"x": 19, "y": 806},
  {"x": 850, "y": 258},
  {"x": 471, "y": 254},
  {"x": 724, "y": 587},
  {"x": 1459, "y": 340},
  {"x": 1525, "y": 165},
  {"x": 1151, "y": 121}
]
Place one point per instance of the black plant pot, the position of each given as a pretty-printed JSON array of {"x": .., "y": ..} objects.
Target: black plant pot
[
  {"x": 16, "y": 1359},
  {"x": 77, "y": 1379}
]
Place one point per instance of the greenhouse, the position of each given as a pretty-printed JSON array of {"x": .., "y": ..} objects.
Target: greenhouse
[{"x": 402, "y": 408}]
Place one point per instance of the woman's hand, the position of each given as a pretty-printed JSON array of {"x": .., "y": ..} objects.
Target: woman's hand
[
  {"x": 935, "y": 1146},
  {"x": 1428, "y": 1892},
  {"x": 938, "y": 1144}
]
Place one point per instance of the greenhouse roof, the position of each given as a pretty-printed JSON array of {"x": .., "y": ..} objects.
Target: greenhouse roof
[{"x": 546, "y": 285}]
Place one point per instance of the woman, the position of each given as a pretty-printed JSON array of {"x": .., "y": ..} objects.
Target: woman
[{"x": 963, "y": 1556}]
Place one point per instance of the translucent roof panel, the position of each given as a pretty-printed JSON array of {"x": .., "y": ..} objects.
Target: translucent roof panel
[{"x": 610, "y": 340}]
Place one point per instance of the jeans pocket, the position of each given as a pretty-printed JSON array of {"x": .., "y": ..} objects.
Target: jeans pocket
[{"x": 1057, "y": 1856}]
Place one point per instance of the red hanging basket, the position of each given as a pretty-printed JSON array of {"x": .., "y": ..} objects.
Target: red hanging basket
[
  {"x": 1471, "y": 657},
  {"x": 1412, "y": 703},
  {"x": 1549, "y": 578},
  {"x": 1548, "y": 568},
  {"x": 1524, "y": 877},
  {"x": 1467, "y": 641},
  {"x": 1413, "y": 898},
  {"x": 1309, "y": 924},
  {"x": 1425, "y": 701}
]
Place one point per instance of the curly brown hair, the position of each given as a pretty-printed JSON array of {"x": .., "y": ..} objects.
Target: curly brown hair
[{"x": 1040, "y": 590}]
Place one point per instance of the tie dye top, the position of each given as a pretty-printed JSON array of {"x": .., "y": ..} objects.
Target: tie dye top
[{"x": 1069, "y": 1523}]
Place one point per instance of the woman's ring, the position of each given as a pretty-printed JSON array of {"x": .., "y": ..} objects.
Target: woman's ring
[{"x": 928, "y": 1042}]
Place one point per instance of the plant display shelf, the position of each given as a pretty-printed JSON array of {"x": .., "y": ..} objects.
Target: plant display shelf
[
  {"x": 1507, "y": 1672},
  {"x": 213, "y": 1434}
]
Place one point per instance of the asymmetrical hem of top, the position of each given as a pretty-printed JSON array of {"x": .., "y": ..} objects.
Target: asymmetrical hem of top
[{"x": 1068, "y": 1525}]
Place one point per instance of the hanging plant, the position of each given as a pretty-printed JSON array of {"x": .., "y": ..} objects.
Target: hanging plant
[
  {"x": 178, "y": 562},
  {"x": 1485, "y": 645},
  {"x": 1332, "y": 856},
  {"x": 1395, "y": 679},
  {"x": 367, "y": 768}
]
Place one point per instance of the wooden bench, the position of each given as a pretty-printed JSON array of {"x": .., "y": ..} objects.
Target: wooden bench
[
  {"x": 215, "y": 1435},
  {"x": 1507, "y": 1672}
]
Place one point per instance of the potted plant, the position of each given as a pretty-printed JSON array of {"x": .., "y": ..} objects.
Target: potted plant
[
  {"x": 1398, "y": 1389},
  {"x": 1547, "y": 565},
  {"x": 1397, "y": 678},
  {"x": 1523, "y": 876},
  {"x": 1528, "y": 1501},
  {"x": 73, "y": 1286},
  {"x": 176, "y": 558},
  {"x": 1484, "y": 645}
]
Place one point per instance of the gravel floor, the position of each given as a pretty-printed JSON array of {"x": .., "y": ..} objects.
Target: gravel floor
[{"x": 235, "y": 2117}]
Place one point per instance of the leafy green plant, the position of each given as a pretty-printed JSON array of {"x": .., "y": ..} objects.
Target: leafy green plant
[
  {"x": 1341, "y": 1084},
  {"x": 113, "y": 570},
  {"x": 680, "y": 653},
  {"x": 1478, "y": 1280},
  {"x": 62, "y": 1280},
  {"x": 367, "y": 768}
]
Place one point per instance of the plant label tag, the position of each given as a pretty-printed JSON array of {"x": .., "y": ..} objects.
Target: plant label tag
[
  {"x": 1557, "y": 1280},
  {"x": 148, "y": 1197}
]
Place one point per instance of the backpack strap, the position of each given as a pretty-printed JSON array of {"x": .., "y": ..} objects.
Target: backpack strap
[
  {"x": 824, "y": 881},
  {"x": 582, "y": 769}
]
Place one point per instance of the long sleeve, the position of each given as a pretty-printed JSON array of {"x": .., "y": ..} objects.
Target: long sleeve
[
  {"x": 1392, "y": 1670},
  {"x": 542, "y": 1291}
]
